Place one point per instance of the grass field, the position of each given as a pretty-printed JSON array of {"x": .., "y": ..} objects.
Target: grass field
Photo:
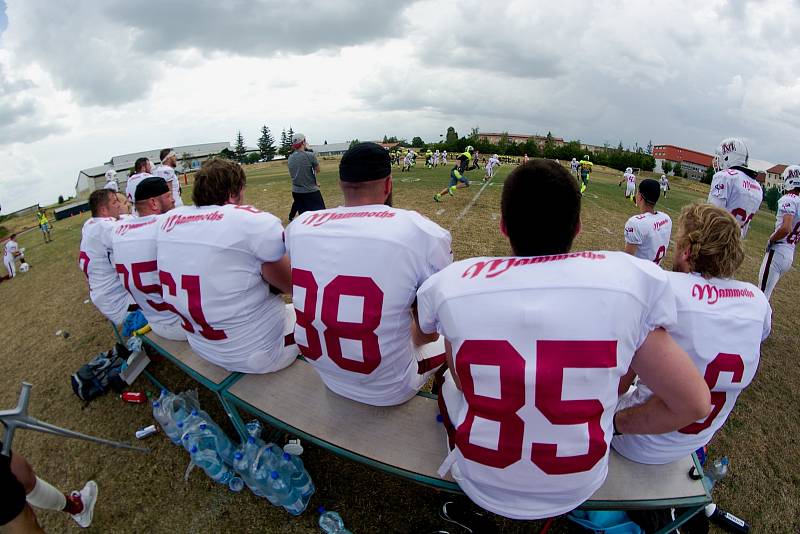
[{"x": 147, "y": 493}]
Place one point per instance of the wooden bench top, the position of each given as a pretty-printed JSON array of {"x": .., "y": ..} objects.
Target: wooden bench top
[
  {"x": 181, "y": 353},
  {"x": 409, "y": 438}
]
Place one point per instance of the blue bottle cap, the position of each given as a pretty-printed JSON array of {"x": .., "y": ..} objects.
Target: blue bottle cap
[
  {"x": 194, "y": 411},
  {"x": 238, "y": 456},
  {"x": 203, "y": 426},
  {"x": 165, "y": 391},
  {"x": 287, "y": 456},
  {"x": 251, "y": 440},
  {"x": 724, "y": 460},
  {"x": 439, "y": 418},
  {"x": 321, "y": 510},
  {"x": 274, "y": 475},
  {"x": 180, "y": 424},
  {"x": 156, "y": 404},
  {"x": 194, "y": 449}
]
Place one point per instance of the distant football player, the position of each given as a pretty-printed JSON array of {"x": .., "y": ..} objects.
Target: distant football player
[
  {"x": 647, "y": 234},
  {"x": 734, "y": 186},
  {"x": 630, "y": 183},
  {"x": 142, "y": 168},
  {"x": 586, "y": 169},
  {"x": 458, "y": 177},
  {"x": 573, "y": 165},
  {"x": 216, "y": 262},
  {"x": 12, "y": 253},
  {"x": 444, "y": 157},
  {"x": 429, "y": 159},
  {"x": 166, "y": 170},
  {"x": 436, "y": 156},
  {"x": 493, "y": 162},
  {"x": 96, "y": 257},
  {"x": 721, "y": 324},
  {"x": 780, "y": 247},
  {"x": 135, "y": 258},
  {"x": 664, "y": 183},
  {"x": 408, "y": 160},
  {"x": 111, "y": 180},
  {"x": 356, "y": 270},
  {"x": 536, "y": 345}
]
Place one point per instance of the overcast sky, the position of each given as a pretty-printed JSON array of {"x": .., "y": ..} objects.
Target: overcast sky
[{"x": 81, "y": 81}]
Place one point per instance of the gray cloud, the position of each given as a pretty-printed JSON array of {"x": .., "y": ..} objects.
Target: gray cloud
[
  {"x": 19, "y": 112},
  {"x": 107, "y": 54}
]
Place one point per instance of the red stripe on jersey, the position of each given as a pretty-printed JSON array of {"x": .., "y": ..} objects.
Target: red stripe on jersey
[{"x": 428, "y": 364}]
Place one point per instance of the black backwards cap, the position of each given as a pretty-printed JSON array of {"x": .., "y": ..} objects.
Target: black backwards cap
[
  {"x": 365, "y": 162},
  {"x": 151, "y": 187},
  {"x": 650, "y": 190}
]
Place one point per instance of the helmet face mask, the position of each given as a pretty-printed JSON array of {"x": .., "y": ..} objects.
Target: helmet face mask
[
  {"x": 791, "y": 178},
  {"x": 629, "y": 170}
]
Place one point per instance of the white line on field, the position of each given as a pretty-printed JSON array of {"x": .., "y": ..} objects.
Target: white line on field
[{"x": 472, "y": 202}]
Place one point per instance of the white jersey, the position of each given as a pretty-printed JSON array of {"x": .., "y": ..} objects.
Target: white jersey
[
  {"x": 789, "y": 204},
  {"x": 574, "y": 165},
  {"x": 651, "y": 233},
  {"x": 664, "y": 183},
  {"x": 130, "y": 187},
  {"x": 168, "y": 174},
  {"x": 540, "y": 344},
  {"x": 368, "y": 262},
  {"x": 436, "y": 157},
  {"x": 738, "y": 193},
  {"x": 10, "y": 249},
  {"x": 96, "y": 260},
  {"x": 721, "y": 324},
  {"x": 209, "y": 261},
  {"x": 630, "y": 178},
  {"x": 492, "y": 163},
  {"x": 444, "y": 156},
  {"x": 134, "y": 245},
  {"x": 409, "y": 157}
]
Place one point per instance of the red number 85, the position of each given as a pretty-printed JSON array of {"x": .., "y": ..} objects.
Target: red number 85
[{"x": 552, "y": 358}]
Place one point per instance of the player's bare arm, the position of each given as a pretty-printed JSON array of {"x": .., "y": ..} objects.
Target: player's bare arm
[
  {"x": 631, "y": 249},
  {"x": 418, "y": 337},
  {"x": 784, "y": 230},
  {"x": 681, "y": 396},
  {"x": 278, "y": 274},
  {"x": 451, "y": 364}
]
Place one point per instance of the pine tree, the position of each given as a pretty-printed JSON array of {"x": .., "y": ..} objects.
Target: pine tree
[
  {"x": 266, "y": 144},
  {"x": 289, "y": 136},
  {"x": 239, "y": 150},
  {"x": 284, "y": 145}
]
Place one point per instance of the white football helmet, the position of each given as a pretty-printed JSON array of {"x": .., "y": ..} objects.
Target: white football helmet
[
  {"x": 791, "y": 178},
  {"x": 629, "y": 170},
  {"x": 731, "y": 152},
  {"x": 469, "y": 149},
  {"x": 23, "y": 267}
]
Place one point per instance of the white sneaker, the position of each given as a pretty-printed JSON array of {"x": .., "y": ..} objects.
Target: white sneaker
[{"x": 88, "y": 496}]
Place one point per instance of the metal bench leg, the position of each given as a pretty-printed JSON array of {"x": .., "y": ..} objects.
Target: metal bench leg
[
  {"x": 153, "y": 380},
  {"x": 234, "y": 416},
  {"x": 680, "y": 520}
]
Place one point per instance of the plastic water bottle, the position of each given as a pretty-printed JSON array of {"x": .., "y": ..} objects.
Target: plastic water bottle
[
  {"x": 292, "y": 468},
  {"x": 210, "y": 462},
  {"x": 717, "y": 470},
  {"x": 254, "y": 428},
  {"x": 285, "y": 494},
  {"x": 236, "y": 484},
  {"x": 331, "y": 522},
  {"x": 243, "y": 460},
  {"x": 260, "y": 474},
  {"x": 210, "y": 436}
]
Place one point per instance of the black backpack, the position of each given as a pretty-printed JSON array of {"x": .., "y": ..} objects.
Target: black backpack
[{"x": 101, "y": 374}]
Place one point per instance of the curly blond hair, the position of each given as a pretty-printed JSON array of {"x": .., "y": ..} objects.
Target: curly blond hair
[{"x": 713, "y": 238}]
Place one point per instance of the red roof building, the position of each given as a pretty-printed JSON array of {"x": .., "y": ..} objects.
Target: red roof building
[
  {"x": 692, "y": 162},
  {"x": 774, "y": 176}
]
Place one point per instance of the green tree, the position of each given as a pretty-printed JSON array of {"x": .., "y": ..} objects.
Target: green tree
[
  {"x": 708, "y": 176},
  {"x": 253, "y": 157},
  {"x": 677, "y": 169},
  {"x": 417, "y": 142},
  {"x": 227, "y": 153},
  {"x": 354, "y": 142},
  {"x": 286, "y": 144},
  {"x": 451, "y": 139},
  {"x": 666, "y": 166},
  {"x": 771, "y": 197},
  {"x": 502, "y": 143},
  {"x": 239, "y": 149},
  {"x": 266, "y": 144},
  {"x": 649, "y": 149},
  {"x": 549, "y": 146}
]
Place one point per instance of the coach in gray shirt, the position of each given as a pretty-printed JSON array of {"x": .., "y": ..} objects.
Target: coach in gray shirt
[{"x": 303, "y": 168}]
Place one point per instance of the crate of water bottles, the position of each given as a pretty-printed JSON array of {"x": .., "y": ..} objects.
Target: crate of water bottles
[{"x": 269, "y": 471}]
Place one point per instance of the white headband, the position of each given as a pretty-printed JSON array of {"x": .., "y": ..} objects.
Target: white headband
[{"x": 171, "y": 153}]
